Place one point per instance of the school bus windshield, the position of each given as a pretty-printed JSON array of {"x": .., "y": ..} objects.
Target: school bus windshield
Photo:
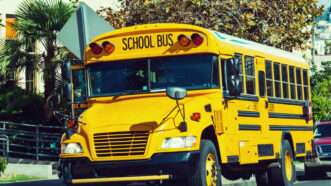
[{"x": 156, "y": 74}]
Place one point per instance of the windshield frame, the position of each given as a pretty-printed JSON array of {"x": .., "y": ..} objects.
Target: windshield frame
[{"x": 150, "y": 91}]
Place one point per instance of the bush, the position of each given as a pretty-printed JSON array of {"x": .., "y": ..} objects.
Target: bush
[
  {"x": 19, "y": 105},
  {"x": 3, "y": 165}
]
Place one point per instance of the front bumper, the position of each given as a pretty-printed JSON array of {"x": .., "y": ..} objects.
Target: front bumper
[
  {"x": 321, "y": 162},
  {"x": 163, "y": 166}
]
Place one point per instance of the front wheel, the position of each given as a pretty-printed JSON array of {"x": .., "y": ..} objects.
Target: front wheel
[{"x": 207, "y": 171}]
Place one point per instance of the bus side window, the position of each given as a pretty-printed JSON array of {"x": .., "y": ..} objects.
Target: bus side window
[
  {"x": 270, "y": 90},
  {"x": 224, "y": 87},
  {"x": 285, "y": 81},
  {"x": 305, "y": 84},
  {"x": 216, "y": 74},
  {"x": 241, "y": 74},
  {"x": 250, "y": 75},
  {"x": 299, "y": 83},
  {"x": 292, "y": 83},
  {"x": 278, "y": 89}
]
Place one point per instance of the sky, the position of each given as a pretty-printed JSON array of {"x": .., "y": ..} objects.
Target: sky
[
  {"x": 324, "y": 2},
  {"x": 10, "y": 6}
]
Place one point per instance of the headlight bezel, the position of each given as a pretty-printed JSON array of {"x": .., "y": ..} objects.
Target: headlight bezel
[
  {"x": 179, "y": 142},
  {"x": 72, "y": 148}
]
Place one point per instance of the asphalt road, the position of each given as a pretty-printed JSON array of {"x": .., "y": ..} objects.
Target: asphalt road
[{"x": 304, "y": 182}]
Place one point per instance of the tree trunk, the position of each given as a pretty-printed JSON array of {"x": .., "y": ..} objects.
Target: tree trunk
[
  {"x": 29, "y": 78},
  {"x": 49, "y": 77}
]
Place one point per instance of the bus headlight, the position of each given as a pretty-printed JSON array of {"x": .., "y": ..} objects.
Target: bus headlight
[
  {"x": 72, "y": 148},
  {"x": 179, "y": 142}
]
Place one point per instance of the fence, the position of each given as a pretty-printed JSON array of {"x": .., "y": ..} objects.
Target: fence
[{"x": 39, "y": 142}]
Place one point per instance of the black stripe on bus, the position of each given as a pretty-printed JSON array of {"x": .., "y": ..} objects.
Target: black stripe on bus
[
  {"x": 249, "y": 127},
  {"x": 243, "y": 97},
  {"x": 285, "y": 115},
  {"x": 254, "y": 114},
  {"x": 289, "y": 128},
  {"x": 286, "y": 101}
]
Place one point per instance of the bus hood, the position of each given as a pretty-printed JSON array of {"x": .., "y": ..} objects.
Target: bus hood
[
  {"x": 126, "y": 112},
  {"x": 139, "y": 112}
]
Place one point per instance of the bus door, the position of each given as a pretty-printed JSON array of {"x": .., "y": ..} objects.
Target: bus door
[
  {"x": 244, "y": 120},
  {"x": 79, "y": 89},
  {"x": 265, "y": 144}
]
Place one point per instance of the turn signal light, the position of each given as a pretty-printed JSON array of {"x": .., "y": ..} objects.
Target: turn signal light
[
  {"x": 95, "y": 48},
  {"x": 197, "y": 39},
  {"x": 196, "y": 116},
  {"x": 108, "y": 47},
  {"x": 71, "y": 124},
  {"x": 183, "y": 40}
]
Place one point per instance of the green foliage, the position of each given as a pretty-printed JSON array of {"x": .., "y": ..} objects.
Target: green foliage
[
  {"x": 276, "y": 23},
  {"x": 37, "y": 21},
  {"x": 19, "y": 105},
  {"x": 3, "y": 165},
  {"x": 321, "y": 93}
]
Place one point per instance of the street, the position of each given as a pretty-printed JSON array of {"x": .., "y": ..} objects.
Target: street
[{"x": 302, "y": 182}]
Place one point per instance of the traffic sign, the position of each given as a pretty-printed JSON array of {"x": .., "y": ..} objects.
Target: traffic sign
[{"x": 81, "y": 28}]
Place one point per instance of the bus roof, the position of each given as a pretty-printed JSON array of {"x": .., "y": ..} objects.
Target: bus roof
[
  {"x": 258, "y": 47},
  {"x": 217, "y": 36}
]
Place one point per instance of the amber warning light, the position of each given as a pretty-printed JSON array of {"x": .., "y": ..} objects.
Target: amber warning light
[
  {"x": 107, "y": 47},
  {"x": 185, "y": 41}
]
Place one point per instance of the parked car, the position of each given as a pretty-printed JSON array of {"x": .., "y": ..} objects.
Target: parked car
[{"x": 320, "y": 163}]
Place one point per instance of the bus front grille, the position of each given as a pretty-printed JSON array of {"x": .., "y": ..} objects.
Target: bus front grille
[{"x": 120, "y": 143}]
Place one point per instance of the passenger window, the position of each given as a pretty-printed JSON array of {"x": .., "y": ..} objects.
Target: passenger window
[
  {"x": 224, "y": 86},
  {"x": 305, "y": 84},
  {"x": 285, "y": 81},
  {"x": 277, "y": 80},
  {"x": 239, "y": 57},
  {"x": 299, "y": 83},
  {"x": 292, "y": 83},
  {"x": 268, "y": 66},
  {"x": 250, "y": 75}
]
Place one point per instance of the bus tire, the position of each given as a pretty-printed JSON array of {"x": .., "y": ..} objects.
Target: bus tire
[
  {"x": 285, "y": 175},
  {"x": 207, "y": 170},
  {"x": 262, "y": 178},
  {"x": 314, "y": 173}
]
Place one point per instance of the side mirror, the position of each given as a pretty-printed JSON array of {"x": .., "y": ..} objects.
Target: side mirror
[
  {"x": 66, "y": 71},
  {"x": 67, "y": 91},
  {"x": 262, "y": 81},
  {"x": 233, "y": 77},
  {"x": 176, "y": 93}
]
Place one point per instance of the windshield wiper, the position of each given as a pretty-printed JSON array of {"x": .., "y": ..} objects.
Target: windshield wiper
[
  {"x": 127, "y": 92},
  {"x": 158, "y": 90}
]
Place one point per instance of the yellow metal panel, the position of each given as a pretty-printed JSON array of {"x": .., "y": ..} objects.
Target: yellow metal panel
[
  {"x": 121, "y": 179},
  {"x": 218, "y": 122}
]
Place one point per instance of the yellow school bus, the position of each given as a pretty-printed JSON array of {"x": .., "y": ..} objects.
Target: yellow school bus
[{"x": 183, "y": 104}]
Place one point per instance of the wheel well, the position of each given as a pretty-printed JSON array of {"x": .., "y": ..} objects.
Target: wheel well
[
  {"x": 209, "y": 134},
  {"x": 287, "y": 136}
]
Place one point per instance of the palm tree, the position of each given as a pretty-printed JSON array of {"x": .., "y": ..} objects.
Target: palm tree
[{"x": 39, "y": 21}]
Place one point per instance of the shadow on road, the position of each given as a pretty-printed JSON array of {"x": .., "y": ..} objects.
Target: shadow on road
[{"x": 314, "y": 177}]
